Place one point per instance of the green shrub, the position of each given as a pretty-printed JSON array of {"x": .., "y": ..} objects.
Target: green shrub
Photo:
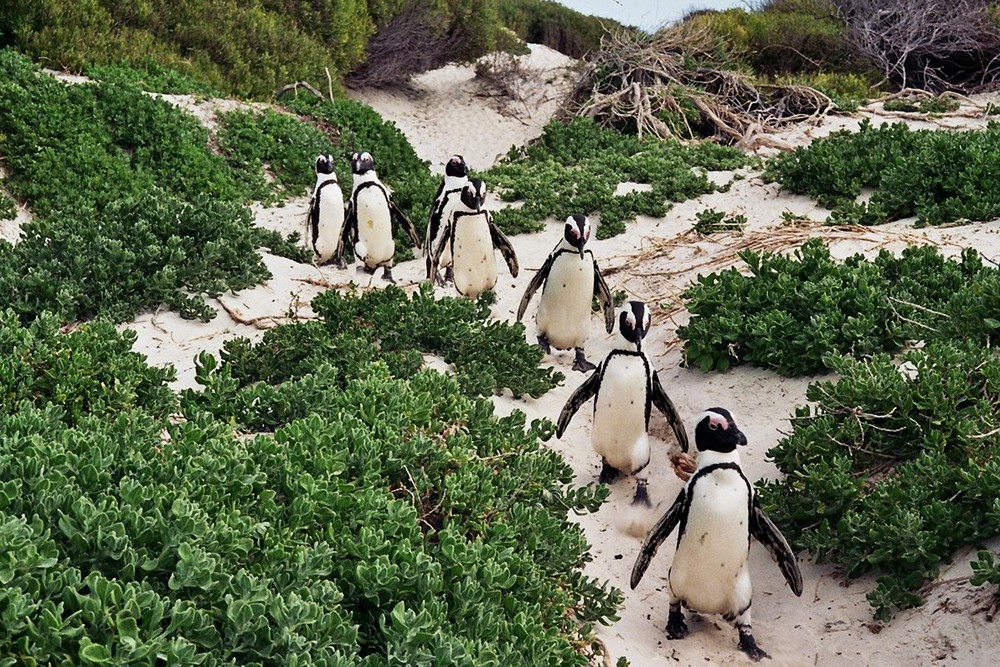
[
  {"x": 282, "y": 144},
  {"x": 933, "y": 105},
  {"x": 710, "y": 221},
  {"x": 892, "y": 471},
  {"x": 8, "y": 209},
  {"x": 938, "y": 176},
  {"x": 152, "y": 77},
  {"x": 792, "y": 313},
  {"x": 556, "y": 26},
  {"x": 575, "y": 167},
  {"x": 848, "y": 90}
]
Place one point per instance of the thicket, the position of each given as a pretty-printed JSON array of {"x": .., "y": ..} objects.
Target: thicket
[
  {"x": 151, "y": 77},
  {"x": 937, "y": 176},
  {"x": 894, "y": 466},
  {"x": 117, "y": 183},
  {"x": 795, "y": 314},
  {"x": 556, "y": 26},
  {"x": 576, "y": 167},
  {"x": 393, "y": 521}
]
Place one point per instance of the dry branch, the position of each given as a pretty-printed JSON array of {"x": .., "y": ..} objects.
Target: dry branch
[{"x": 647, "y": 84}]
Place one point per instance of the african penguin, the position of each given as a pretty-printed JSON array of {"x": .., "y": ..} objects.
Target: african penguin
[
  {"x": 569, "y": 279},
  {"x": 369, "y": 218},
  {"x": 456, "y": 175},
  {"x": 326, "y": 214},
  {"x": 624, "y": 388},
  {"x": 472, "y": 238},
  {"x": 718, "y": 512}
]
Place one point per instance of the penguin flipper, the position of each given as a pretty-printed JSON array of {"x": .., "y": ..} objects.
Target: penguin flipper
[
  {"x": 435, "y": 257},
  {"x": 408, "y": 227},
  {"x": 312, "y": 222},
  {"x": 537, "y": 281},
  {"x": 657, "y": 534},
  {"x": 765, "y": 532},
  {"x": 603, "y": 295},
  {"x": 583, "y": 393},
  {"x": 666, "y": 406},
  {"x": 502, "y": 243},
  {"x": 349, "y": 234}
]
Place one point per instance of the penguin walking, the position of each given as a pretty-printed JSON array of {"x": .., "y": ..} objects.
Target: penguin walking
[
  {"x": 456, "y": 175},
  {"x": 624, "y": 388},
  {"x": 369, "y": 218},
  {"x": 718, "y": 512},
  {"x": 326, "y": 215},
  {"x": 472, "y": 238},
  {"x": 569, "y": 279}
]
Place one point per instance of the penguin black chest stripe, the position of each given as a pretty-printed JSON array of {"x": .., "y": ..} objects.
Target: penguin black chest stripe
[
  {"x": 702, "y": 472},
  {"x": 460, "y": 214},
  {"x": 645, "y": 363},
  {"x": 314, "y": 218},
  {"x": 369, "y": 184}
]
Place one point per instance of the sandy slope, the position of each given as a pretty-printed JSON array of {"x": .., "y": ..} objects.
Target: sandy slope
[{"x": 831, "y": 623}]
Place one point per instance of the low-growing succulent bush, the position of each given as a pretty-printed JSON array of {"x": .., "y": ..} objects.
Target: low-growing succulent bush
[
  {"x": 280, "y": 144},
  {"x": 933, "y": 105},
  {"x": 792, "y": 313},
  {"x": 8, "y": 209},
  {"x": 938, "y": 176},
  {"x": 151, "y": 76},
  {"x": 710, "y": 221},
  {"x": 575, "y": 167},
  {"x": 892, "y": 470},
  {"x": 266, "y": 385}
]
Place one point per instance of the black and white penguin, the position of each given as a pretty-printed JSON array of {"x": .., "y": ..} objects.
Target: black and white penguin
[
  {"x": 718, "y": 512},
  {"x": 326, "y": 214},
  {"x": 624, "y": 389},
  {"x": 570, "y": 280},
  {"x": 472, "y": 238},
  {"x": 456, "y": 175},
  {"x": 369, "y": 218}
]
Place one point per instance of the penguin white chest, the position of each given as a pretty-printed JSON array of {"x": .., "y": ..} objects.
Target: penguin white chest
[
  {"x": 709, "y": 572},
  {"x": 565, "y": 306},
  {"x": 375, "y": 243},
  {"x": 327, "y": 235},
  {"x": 474, "y": 260},
  {"x": 619, "y": 431}
]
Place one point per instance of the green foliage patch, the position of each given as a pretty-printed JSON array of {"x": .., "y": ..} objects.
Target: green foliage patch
[
  {"x": 152, "y": 77},
  {"x": 710, "y": 221},
  {"x": 892, "y": 470},
  {"x": 281, "y": 144},
  {"x": 398, "y": 523},
  {"x": 792, "y": 313},
  {"x": 575, "y": 167},
  {"x": 932, "y": 105},
  {"x": 938, "y": 176},
  {"x": 8, "y": 209},
  {"x": 556, "y": 26}
]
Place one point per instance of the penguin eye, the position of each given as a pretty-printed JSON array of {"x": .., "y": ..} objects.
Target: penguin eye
[{"x": 713, "y": 426}]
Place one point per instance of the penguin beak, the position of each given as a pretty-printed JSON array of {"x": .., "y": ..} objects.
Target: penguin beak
[{"x": 741, "y": 439}]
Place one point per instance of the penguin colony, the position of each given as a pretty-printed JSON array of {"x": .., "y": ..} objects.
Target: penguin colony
[{"x": 717, "y": 511}]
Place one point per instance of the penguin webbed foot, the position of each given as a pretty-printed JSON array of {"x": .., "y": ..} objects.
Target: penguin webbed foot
[
  {"x": 387, "y": 275},
  {"x": 339, "y": 263},
  {"x": 609, "y": 473},
  {"x": 749, "y": 646},
  {"x": 543, "y": 343},
  {"x": 362, "y": 268},
  {"x": 581, "y": 364},
  {"x": 449, "y": 274},
  {"x": 641, "y": 496},
  {"x": 438, "y": 280},
  {"x": 676, "y": 627}
]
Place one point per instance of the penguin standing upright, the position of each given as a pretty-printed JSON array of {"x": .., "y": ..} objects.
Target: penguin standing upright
[
  {"x": 624, "y": 388},
  {"x": 369, "y": 218},
  {"x": 569, "y": 279},
  {"x": 718, "y": 512},
  {"x": 472, "y": 238},
  {"x": 326, "y": 214},
  {"x": 456, "y": 175}
]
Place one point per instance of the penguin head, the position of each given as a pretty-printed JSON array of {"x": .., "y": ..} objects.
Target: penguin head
[
  {"x": 362, "y": 163},
  {"x": 474, "y": 194},
  {"x": 633, "y": 323},
  {"x": 716, "y": 430},
  {"x": 324, "y": 165},
  {"x": 456, "y": 166},
  {"x": 577, "y": 231}
]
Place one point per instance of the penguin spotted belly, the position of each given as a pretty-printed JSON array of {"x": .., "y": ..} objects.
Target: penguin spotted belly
[
  {"x": 709, "y": 572},
  {"x": 473, "y": 260},
  {"x": 619, "y": 431},
  {"x": 375, "y": 243},
  {"x": 564, "y": 309}
]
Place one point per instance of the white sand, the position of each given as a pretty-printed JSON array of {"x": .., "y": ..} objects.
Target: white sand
[{"x": 831, "y": 623}]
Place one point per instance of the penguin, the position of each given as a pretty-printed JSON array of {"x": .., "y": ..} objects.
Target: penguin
[
  {"x": 326, "y": 215},
  {"x": 624, "y": 388},
  {"x": 472, "y": 238},
  {"x": 456, "y": 175},
  {"x": 569, "y": 279},
  {"x": 369, "y": 218},
  {"x": 718, "y": 511}
]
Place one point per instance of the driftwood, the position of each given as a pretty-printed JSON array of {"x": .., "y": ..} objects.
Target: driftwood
[
  {"x": 295, "y": 86},
  {"x": 646, "y": 83}
]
